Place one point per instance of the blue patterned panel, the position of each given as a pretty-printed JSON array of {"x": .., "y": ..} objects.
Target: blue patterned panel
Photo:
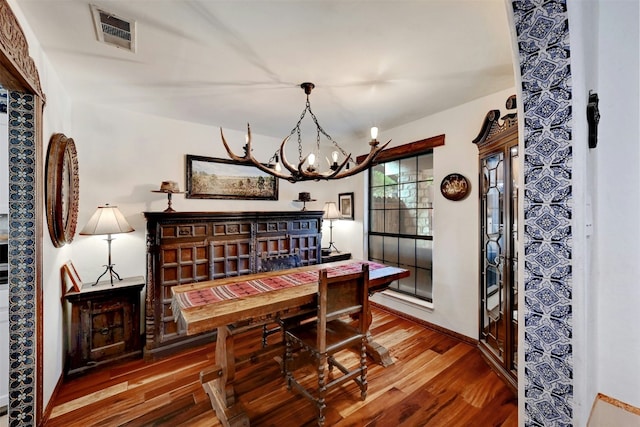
[
  {"x": 22, "y": 262},
  {"x": 543, "y": 43}
]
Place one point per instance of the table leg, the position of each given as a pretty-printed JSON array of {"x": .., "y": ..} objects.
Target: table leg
[
  {"x": 218, "y": 383},
  {"x": 377, "y": 352}
]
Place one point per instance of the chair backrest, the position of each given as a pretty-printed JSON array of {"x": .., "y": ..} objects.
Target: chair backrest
[
  {"x": 345, "y": 295},
  {"x": 279, "y": 262}
]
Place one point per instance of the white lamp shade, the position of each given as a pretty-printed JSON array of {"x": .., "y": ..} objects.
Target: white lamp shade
[
  {"x": 107, "y": 220},
  {"x": 331, "y": 211}
]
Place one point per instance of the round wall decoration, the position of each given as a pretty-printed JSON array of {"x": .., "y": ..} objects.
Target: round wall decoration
[
  {"x": 61, "y": 189},
  {"x": 455, "y": 187}
]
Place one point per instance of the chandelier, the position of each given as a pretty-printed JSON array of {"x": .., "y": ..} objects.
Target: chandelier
[{"x": 308, "y": 168}]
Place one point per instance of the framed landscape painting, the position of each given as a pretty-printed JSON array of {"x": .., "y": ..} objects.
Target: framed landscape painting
[{"x": 213, "y": 178}]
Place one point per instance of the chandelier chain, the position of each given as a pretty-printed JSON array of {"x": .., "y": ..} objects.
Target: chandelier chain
[{"x": 319, "y": 129}]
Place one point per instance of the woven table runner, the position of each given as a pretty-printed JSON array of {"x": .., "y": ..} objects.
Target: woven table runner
[{"x": 199, "y": 297}]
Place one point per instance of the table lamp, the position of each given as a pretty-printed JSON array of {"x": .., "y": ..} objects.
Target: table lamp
[
  {"x": 107, "y": 220},
  {"x": 331, "y": 213}
]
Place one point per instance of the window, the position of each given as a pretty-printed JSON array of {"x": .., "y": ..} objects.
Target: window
[{"x": 401, "y": 218}]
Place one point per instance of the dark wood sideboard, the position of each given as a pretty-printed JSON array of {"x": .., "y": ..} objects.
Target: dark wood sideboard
[
  {"x": 187, "y": 247},
  {"x": 104, "y": 324}
]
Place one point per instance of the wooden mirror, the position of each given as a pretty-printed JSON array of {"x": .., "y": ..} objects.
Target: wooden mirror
[{"x": 62, "y": 189}]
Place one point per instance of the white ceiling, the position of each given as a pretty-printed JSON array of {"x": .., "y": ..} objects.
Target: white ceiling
[{"x": 226, "y": 63}]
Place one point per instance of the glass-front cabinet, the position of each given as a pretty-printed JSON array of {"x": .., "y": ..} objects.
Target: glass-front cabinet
[{"x": 498, "y": 191}]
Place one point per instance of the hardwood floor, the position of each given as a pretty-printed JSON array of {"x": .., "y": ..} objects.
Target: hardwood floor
[{"x": 436, "y": 380}]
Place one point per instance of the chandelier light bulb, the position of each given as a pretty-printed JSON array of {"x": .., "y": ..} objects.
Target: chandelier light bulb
[
  {"x": 277, "y": 166},
  {"x": 374, "y": 133},
  {"x": 334, "y": 156},
  {"x": 311, "y": 159}
]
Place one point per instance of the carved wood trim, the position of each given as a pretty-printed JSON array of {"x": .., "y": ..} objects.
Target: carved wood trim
[
  {"x": 492, "y": 129},
  {"x": 18, "y": 71},
  {"x": 411, "y": 149}
]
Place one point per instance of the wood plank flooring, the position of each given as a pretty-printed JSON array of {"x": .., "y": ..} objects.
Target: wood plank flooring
[{"x": 436, "y": 380}]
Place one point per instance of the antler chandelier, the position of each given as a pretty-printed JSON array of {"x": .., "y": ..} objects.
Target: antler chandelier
[{"x": 307, "y": 168}]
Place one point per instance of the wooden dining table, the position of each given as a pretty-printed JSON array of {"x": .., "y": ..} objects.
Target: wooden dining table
[{"x": 236, "y": 304}]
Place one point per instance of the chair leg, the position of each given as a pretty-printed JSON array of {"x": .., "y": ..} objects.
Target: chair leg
[
  {"x": 286, "y": 361},
  {"x": 322, "y": 388},
  {"x": 363, "y": 370}
]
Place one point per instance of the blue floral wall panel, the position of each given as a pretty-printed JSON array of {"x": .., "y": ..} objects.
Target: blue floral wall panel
[{"x": 543, "y": 44}]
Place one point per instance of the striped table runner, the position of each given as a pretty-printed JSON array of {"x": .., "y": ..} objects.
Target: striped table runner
[{"x": 199, "y": 297}]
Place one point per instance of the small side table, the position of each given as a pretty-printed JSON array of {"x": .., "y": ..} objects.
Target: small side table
[
  {"x": 335, "y": 256},
  {"x": 104, "y": 324}
]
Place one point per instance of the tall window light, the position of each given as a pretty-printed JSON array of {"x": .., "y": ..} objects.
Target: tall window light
[{"x": 401, "y": 218}]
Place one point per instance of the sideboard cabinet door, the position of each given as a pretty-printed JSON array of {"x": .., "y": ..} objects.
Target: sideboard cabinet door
[{"x": 104, "y": 324}]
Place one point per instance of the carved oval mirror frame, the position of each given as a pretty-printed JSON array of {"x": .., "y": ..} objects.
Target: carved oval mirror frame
[{"x": 61, "y": 189}]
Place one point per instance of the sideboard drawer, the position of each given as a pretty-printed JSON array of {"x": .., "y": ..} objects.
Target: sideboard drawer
[{"x": 178, "y": 231}]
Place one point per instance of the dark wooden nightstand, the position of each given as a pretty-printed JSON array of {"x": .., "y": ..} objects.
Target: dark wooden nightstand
[
  {"x": 336, "y": 256},
  {"x": 104, "y": 324}
]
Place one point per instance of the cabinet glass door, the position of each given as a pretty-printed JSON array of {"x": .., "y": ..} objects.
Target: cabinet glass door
[
  {"x": 515, "y": 176},
  {"x": 493, "y": 289}
]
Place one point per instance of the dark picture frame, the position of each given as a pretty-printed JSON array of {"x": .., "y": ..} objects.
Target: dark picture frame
[
  {"x": 70, "y": 270},
  {"x": 455, "y": 187},
  {"x": 214, "y": 178},
  {"x": 345, "y": 205}
]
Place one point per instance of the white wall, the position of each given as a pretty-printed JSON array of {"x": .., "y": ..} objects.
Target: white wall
[
  {"x": 617, "y": 206},
  {"x": 4, "y": 160},
  {"x": 583, "y": 33},
  {"x": 455, "y": 240}
]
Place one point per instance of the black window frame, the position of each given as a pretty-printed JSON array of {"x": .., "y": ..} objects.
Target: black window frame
[{"x": 408, "y": 151}]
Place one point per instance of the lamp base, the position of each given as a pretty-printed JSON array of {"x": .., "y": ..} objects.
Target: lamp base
[
  {"x": 112, "y": 273},
  {"x": 329, "y": 250}
]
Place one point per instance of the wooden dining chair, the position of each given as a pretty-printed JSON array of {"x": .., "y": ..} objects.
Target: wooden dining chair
[
  {"x": 276, "y": 263},
  {"x": 341, "y": 299}
]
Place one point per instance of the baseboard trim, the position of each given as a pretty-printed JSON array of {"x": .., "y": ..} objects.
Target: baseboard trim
[
  {"x": 46, "y": 414},
  {"x": 426, "y": 324}
]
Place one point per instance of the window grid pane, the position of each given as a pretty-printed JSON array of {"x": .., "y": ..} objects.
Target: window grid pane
[{"x": 401, "y": 218}]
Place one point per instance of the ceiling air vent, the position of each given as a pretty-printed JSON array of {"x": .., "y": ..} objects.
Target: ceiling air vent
[{"x": 114, "y": 30}]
